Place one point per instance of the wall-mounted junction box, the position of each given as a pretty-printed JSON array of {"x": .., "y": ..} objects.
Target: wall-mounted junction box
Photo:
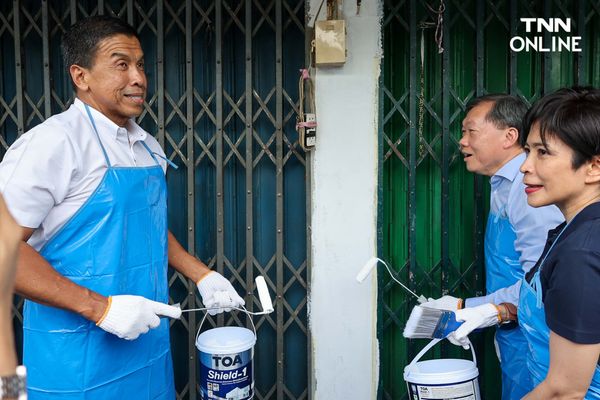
[{"x": 330, "y": 43}]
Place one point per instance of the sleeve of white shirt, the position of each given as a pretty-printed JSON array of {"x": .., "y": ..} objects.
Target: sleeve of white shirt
[
  {"x": 508, "y": 294},
  {"x": 36, "y": 173},
  {"x": 531, "y": 224}
]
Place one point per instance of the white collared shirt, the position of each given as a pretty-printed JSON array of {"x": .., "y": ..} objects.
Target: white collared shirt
[{"x": 51, "y": 170}]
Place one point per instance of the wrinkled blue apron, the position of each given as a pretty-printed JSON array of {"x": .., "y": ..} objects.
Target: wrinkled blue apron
[
  {"x": 532, "y": 320},
  {"x": 502, "y": 269},
  {"x": 116, "y": 243}
]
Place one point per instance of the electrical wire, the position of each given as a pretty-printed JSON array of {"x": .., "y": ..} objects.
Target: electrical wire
[{"x": 305, "y": 81}]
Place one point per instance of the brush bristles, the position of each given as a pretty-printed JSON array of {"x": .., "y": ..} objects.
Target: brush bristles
[{"x": 422, "y": 322}]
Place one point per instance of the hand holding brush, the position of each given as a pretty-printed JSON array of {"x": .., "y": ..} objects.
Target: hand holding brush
[
  {"x": 474, "y": 318},
  {"x": 425, "y": 322}
]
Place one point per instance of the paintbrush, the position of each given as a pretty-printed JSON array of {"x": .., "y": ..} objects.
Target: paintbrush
[{"x": 430, "y": 323}]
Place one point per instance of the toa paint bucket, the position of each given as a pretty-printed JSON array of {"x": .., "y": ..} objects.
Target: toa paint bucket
[
  {"x": 226, "y": 354},
  {"x": 226, "y": 363},
  {"x": 445, "y": 379}
]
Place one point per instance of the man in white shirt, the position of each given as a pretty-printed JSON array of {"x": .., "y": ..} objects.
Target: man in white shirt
[{"x": 88, "y": 188}]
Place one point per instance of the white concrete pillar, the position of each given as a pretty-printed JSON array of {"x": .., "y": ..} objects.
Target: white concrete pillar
[{"x": 344, "y": 213}]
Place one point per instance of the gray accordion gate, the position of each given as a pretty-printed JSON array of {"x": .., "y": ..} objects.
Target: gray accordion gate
[{"x": 222, "y": 97}]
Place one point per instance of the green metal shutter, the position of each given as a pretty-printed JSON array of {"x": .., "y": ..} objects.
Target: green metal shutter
[{"x": 433, "y": 210}]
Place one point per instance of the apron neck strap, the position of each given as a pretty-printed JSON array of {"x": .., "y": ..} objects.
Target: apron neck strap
[
  {"x": 154, "y": 154},
  {"x": 553, "y": 244},
  {"x": 536, "y": 281},
  {"x": 87, "y": 109}
]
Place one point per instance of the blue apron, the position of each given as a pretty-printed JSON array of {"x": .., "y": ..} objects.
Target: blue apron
[
  {"x": 116, "y": 243},
  {"x": 532, "y": 320},
  {"x": 502, "y": 269}
]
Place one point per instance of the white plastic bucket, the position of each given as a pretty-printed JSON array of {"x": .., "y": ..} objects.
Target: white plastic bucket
[
  {"x": 445, "y": 379},
  {"x": 226, "y": 363}
]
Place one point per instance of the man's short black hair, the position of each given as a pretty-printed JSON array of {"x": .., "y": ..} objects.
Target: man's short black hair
[
  {"x": 573, "y": 116},
  {"x": 507, "y": 111},
  {"x": 80, "y": 42}
]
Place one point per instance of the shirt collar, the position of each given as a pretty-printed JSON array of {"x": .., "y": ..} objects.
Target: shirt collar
[
  {"x": 508, "y": 171},
  {"x": 105, "y": 125}
]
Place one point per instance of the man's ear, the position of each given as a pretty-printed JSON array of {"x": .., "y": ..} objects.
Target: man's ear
[
  {"x": 593, "y": 170},
  {"x": 511, "y": 137},
  {"x": 79, "y": 76}
]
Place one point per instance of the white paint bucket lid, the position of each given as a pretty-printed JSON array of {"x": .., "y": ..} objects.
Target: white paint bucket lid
[
  {"x": 449, "y": 370},
  {"x": 225, "y": 340}
]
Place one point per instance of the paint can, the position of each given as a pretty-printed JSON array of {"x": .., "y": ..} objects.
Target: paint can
[
  {"x": 226, "y": 363},
  {"x": 444, "y": 379}
]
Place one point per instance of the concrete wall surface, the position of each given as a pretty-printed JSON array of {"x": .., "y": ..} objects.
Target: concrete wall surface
[{"x": 342, "y": 312}]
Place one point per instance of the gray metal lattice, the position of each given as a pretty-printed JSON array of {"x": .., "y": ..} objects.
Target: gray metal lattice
[{"x": 222, "y": 102}]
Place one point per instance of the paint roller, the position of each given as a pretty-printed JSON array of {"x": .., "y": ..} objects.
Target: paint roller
[
  {"x": 366, "y": 270},
  {"x": 263, "y": 295},
  {"x": 370, "y": 265}
]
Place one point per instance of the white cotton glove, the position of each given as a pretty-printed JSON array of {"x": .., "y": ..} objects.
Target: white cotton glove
[
  {"x": 444, "y": 303},
  {"x": 457, "y": 343},
  {"x": 216, "y": 291},
  {"x": 474, "y": 317},
  {"x": 130, "y": 316}
]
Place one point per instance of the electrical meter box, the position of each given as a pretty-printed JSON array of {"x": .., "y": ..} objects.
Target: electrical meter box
[{"x": 330, "y": 43}]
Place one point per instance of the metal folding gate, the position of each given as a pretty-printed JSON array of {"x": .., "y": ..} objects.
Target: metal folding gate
[
  {"x": 222, "y": 98},
  {"x": 433, "y": 210}
]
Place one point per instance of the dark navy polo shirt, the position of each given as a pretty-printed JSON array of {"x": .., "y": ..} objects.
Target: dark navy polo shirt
[{"x": 570, "y": 278}]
